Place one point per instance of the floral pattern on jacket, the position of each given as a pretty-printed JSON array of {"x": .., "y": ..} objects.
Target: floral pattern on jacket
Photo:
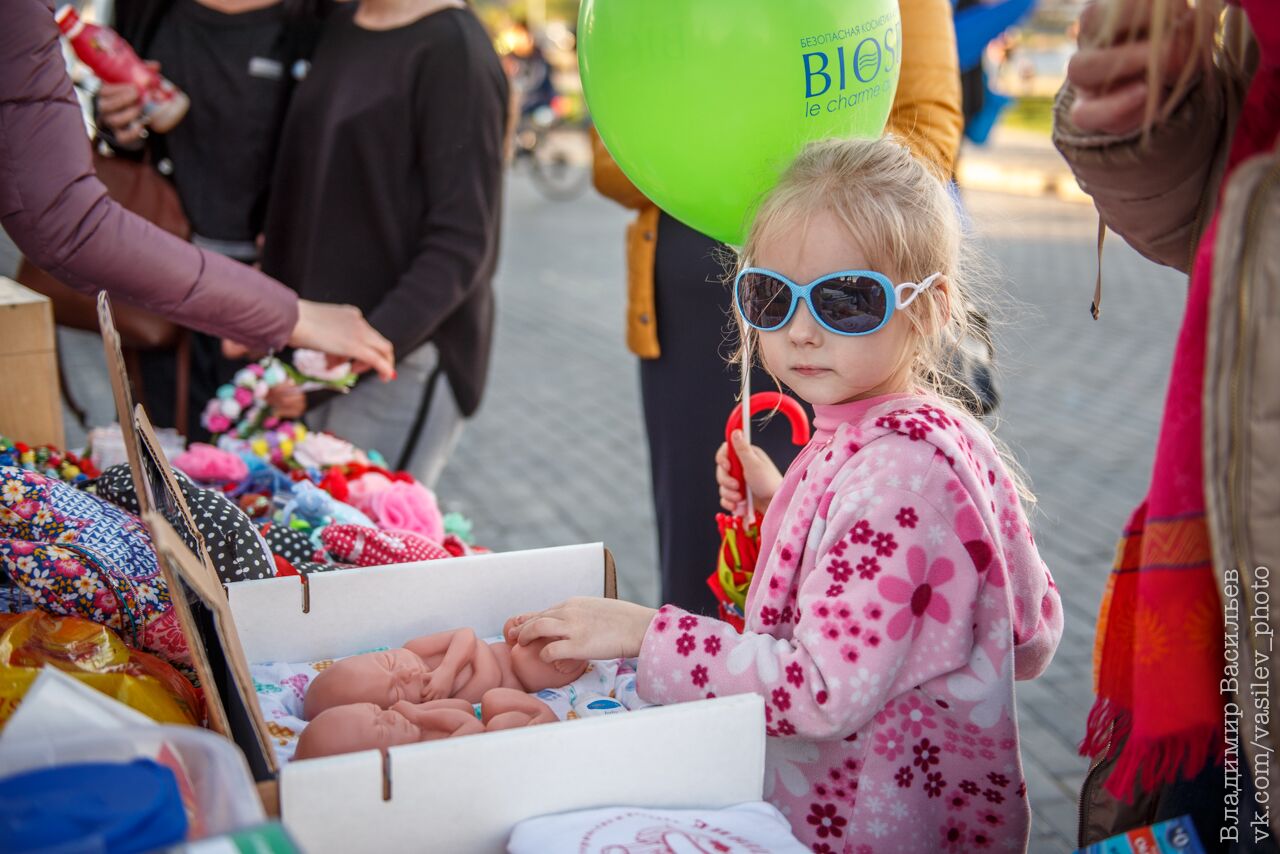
[{"x": 885, "y": 626}]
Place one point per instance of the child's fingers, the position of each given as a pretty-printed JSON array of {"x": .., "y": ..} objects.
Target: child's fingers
[
  {"x": 561, "y": 649},
  {"x": 722, "y": 456},
  {"x": 542, "y": 627}
]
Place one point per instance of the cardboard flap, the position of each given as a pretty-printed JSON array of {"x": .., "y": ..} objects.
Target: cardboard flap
[
  {"x": 355, "y": 610},
  {"x": 114, "y": 357},
  {"x": 465, "y": 794},
  {"x": 210, "y": 630},
  {"x": 160, "y": 485}
]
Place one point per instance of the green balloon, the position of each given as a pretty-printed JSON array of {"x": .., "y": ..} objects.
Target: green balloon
[{"x": 703, "y": 103}]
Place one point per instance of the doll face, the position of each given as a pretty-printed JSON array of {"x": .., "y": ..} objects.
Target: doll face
[
  {"x": 382, "y": 678},
  {"x": 351, "y": 728}
]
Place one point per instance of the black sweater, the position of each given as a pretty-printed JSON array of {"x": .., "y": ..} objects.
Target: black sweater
[{"x": 388, "y": 184}]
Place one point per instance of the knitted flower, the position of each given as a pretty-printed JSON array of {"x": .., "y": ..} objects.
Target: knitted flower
[
  {"x": 208, "y": 464},
  {"x": 314, "y": 365},
  {"x": 321, "y": 450},
  {"x": 361, "y": 490},
  {"x": 407, "y": 507}
]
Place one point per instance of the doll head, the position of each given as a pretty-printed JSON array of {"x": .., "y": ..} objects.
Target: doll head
[
  {"x": 355, "y": 727},
  {"x": 537, "y": 675},
  {"x": 381, "y": 678},
  {"x": 534, "y": 673}
]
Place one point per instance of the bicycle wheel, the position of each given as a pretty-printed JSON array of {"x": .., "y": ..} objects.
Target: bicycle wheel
[{"x": 561, "y": 163}]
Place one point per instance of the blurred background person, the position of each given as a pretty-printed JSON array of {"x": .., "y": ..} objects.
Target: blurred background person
[
  {"x": 238, "y": 61},
  {"x": 388, "y": 194}
]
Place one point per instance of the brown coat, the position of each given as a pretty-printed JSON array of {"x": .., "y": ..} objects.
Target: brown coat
[
  {"x": 1159, "y": 196},
  {"x": 925, "y": 114}
]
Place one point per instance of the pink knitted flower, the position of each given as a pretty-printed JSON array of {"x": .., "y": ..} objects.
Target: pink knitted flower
[
  {"x": 208, "y": 464},
  {"x": 408, "y": 507},
  {"x": 361, "y": 490},
  {"x": 314, "y": 364},
  {"x": 217, "y": 422}
]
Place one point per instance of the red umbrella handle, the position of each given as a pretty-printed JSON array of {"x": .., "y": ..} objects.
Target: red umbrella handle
[{"x": 789, "y": 407}]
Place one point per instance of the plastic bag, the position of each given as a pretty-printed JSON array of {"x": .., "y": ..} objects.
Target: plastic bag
[{"x": 94, "y": 655}]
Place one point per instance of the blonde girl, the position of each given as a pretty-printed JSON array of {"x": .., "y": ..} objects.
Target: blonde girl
[{"x": 899, "y": 592}]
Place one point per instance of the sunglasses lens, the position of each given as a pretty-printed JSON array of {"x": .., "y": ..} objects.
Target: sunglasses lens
[
  {"x": 763, "y": 300},
  {"x": 851, "y": 304}
]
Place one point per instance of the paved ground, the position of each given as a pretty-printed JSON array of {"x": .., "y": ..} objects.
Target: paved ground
[{"x": 557, "y": 454}]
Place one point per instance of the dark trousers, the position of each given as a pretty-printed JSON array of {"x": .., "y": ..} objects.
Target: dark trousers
[
  {"x": 688, "y": 394},
  {"x": 209, "y": 369}
]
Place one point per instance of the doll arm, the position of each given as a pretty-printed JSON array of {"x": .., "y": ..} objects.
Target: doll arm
[
  {"x": 508, "y": 708},
  {"x": 441, "y": 718},
  {"x": 887, "y": 606},
  {"x": 459, "y": 650}
]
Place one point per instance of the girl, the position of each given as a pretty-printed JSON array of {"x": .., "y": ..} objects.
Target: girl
[{"x": 899, "y": 591}]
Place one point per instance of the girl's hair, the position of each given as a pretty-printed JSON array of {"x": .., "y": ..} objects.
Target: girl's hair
[{"x": 905, "y": 219}]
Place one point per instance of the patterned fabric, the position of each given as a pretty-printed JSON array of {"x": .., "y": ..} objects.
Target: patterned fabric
[
  {"x": 75, "y": 554},
  {"x": 238, "y": 551},
  {"x": 362, "y": 546},
  {"x": 899, "y": 595}
]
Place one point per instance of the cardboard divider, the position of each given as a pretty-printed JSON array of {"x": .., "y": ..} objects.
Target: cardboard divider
[
  {"x": 356, "y": 610},
  {"x": 119, "y": 376},
  {"x": 153, "y": 479}
]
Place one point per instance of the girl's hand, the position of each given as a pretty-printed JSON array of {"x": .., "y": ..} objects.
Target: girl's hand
[
  {"x": 586, "y": 628},
  {"x": 762, "y": 476},
  {"x": 1109, "y": 70}
]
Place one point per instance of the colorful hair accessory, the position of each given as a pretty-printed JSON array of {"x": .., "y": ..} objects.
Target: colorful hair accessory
[{"x": 47, "y": 460}]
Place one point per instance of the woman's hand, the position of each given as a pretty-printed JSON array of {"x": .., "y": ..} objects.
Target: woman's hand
[
  {"x": 761, "y": 474},
  {"x": 586, "y": 628},
  {"x": 341, "y": 330},
  {"x": 1109, "y": 70}
]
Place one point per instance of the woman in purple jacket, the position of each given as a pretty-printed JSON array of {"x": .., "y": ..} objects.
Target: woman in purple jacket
[{"x": 58, "y": 213}]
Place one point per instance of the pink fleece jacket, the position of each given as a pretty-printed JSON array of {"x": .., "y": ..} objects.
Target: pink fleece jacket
[{"x": 899, "y": 594}]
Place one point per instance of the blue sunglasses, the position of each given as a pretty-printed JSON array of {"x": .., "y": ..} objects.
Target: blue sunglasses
[{"x": 851, "y": 302}]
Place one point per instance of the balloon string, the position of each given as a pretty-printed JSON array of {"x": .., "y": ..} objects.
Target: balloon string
[{"x": 746, "y": 423}]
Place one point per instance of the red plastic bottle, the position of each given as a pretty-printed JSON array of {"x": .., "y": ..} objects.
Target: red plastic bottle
[{"x": 114, "y": 61}]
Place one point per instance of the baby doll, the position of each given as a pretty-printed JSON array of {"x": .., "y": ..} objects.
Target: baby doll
[
  {"x": 453, "y": 664},
  {"x": 365, "y": 726}
]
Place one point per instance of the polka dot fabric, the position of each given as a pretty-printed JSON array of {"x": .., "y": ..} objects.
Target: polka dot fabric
[
  {"x": 237, "y": 549},
  {"x": 293, "y": 546}
]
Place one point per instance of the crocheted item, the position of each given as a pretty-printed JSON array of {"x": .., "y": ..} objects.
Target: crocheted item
[
  {"x": 207, "y": 464},
  {"x": 240, "y": 408},
  {"x": 75, "y": 554},
  {"x": 48, "y": 460}
]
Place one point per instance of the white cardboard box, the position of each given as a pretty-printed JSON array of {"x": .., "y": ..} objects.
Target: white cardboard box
[{"x": 465, "y": 794}]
